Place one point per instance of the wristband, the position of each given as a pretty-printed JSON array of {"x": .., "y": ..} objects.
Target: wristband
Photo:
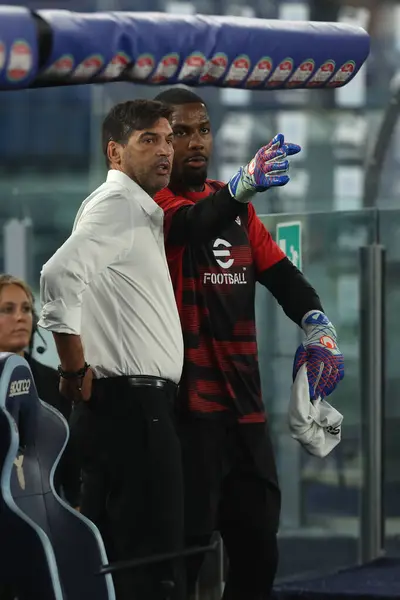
[{"x": 80, "y": 374}]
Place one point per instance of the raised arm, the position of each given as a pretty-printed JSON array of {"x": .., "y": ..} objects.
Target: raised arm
[{"x": 188, "y": 222}]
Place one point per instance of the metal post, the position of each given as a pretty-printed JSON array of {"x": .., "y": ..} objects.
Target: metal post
[
  {"x": 220, "y": 570},
  {"x": 372, "y": 260}
]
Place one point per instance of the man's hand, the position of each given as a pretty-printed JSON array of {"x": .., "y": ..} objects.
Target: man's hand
[
  {"x": 69, "y": 388},
  {"x": 269, "y": 168},
  {"x": 321, "y": 355}
]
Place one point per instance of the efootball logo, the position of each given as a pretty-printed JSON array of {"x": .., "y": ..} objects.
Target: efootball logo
[
  {"x": 220, "y": 243},
  {"x": 222, "y": 254}
]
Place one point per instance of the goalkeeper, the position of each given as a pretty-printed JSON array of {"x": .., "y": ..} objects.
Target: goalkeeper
[{"x": 217, "y": 249}]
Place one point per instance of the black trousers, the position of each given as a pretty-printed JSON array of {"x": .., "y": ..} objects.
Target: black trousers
[
  {"x": 132, "y": 481},
  {"x": 231, "y": 485}
]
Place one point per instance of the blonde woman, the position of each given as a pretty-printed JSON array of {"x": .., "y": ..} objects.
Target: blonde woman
[{"x": 18, "y": 325}]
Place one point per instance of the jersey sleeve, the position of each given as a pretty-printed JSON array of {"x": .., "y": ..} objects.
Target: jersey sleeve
[
  {"x": 170, "y": 203},
  {"x": 266, "y": 253}
]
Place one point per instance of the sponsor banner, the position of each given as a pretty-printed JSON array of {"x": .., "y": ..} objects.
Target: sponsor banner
[
  {"x": 18, "y": 48},
  {"x": 198, "y": 50}
]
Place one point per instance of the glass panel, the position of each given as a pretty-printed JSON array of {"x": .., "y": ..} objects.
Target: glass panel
[
  {"x": 389, "y": 234},
  {"x": 320, "y": 498},
  {"x": 35, "y": 220}
]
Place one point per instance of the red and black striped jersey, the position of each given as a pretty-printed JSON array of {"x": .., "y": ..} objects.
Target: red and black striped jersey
[{"x": 214, "y": 285}]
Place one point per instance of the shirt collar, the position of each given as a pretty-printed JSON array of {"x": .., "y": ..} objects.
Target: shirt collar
[{"x": 145, "y": 201}]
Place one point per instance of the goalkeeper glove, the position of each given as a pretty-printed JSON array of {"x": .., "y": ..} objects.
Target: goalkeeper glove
[
  {"x": 269, "y": 168},
  {"x": 321, "y": 355}
]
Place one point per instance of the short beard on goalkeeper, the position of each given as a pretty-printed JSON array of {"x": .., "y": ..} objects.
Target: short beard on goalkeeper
[{"x": 194, "y": 178}]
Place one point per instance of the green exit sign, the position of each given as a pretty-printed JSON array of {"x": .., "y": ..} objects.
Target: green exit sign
[{"x": 288, "y": 238}]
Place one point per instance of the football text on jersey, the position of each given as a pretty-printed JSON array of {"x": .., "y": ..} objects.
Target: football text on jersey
[{"x": 225, "y": 261}]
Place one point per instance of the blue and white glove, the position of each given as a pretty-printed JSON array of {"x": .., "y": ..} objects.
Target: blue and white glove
[
  {"x": 269, "y": 168},
  {"x": 321, "y": 355}
]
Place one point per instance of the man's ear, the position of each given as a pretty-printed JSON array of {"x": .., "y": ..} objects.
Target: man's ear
[{"x": 114, "y": 152}]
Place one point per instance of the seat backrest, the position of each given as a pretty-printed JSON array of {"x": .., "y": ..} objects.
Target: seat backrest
[
  {"x": 73, "y": 551},
  {"x": 21, "y": 537}
]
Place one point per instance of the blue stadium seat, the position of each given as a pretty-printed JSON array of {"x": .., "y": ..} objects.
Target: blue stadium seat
[{"x": 47, "y": 549}]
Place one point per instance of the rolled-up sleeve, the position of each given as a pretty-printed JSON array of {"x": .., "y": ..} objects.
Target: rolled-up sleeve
[{"x": 103, "y": 235}]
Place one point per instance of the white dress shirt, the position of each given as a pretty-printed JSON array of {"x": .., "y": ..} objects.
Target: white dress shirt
[{"x": 110, "y": 284}]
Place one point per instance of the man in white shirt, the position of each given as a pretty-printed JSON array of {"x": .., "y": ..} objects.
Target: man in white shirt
[{"x": 108, "y": 299}]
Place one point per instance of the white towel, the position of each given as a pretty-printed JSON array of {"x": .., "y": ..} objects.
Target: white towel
[{"x": 315, "y": 424}]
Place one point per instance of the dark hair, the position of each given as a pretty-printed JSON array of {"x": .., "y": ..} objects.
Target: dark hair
[
  {"x": 127, "y": 117},
  {"x": 177, "y": 96}
]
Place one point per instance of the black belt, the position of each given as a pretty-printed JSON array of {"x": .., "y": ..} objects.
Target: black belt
[
  {"x": 135, "y": 381},
  {"x": 106, "y": 389},
  {"x": 150, "y": 381}
]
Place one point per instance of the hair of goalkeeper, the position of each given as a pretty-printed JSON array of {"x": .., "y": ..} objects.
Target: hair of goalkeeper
[{"x": 176, "y": 96}]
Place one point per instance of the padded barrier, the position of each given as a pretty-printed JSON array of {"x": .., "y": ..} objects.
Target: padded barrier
[
  {"x": 160, "y": 49},
  {"x": 18, "y": 48}
]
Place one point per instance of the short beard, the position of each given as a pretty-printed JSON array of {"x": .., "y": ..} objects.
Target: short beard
[{"x": 192, "y": 179}]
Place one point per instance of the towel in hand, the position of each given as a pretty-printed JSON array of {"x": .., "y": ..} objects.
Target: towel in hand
[{"x": 315, "y": 424}]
